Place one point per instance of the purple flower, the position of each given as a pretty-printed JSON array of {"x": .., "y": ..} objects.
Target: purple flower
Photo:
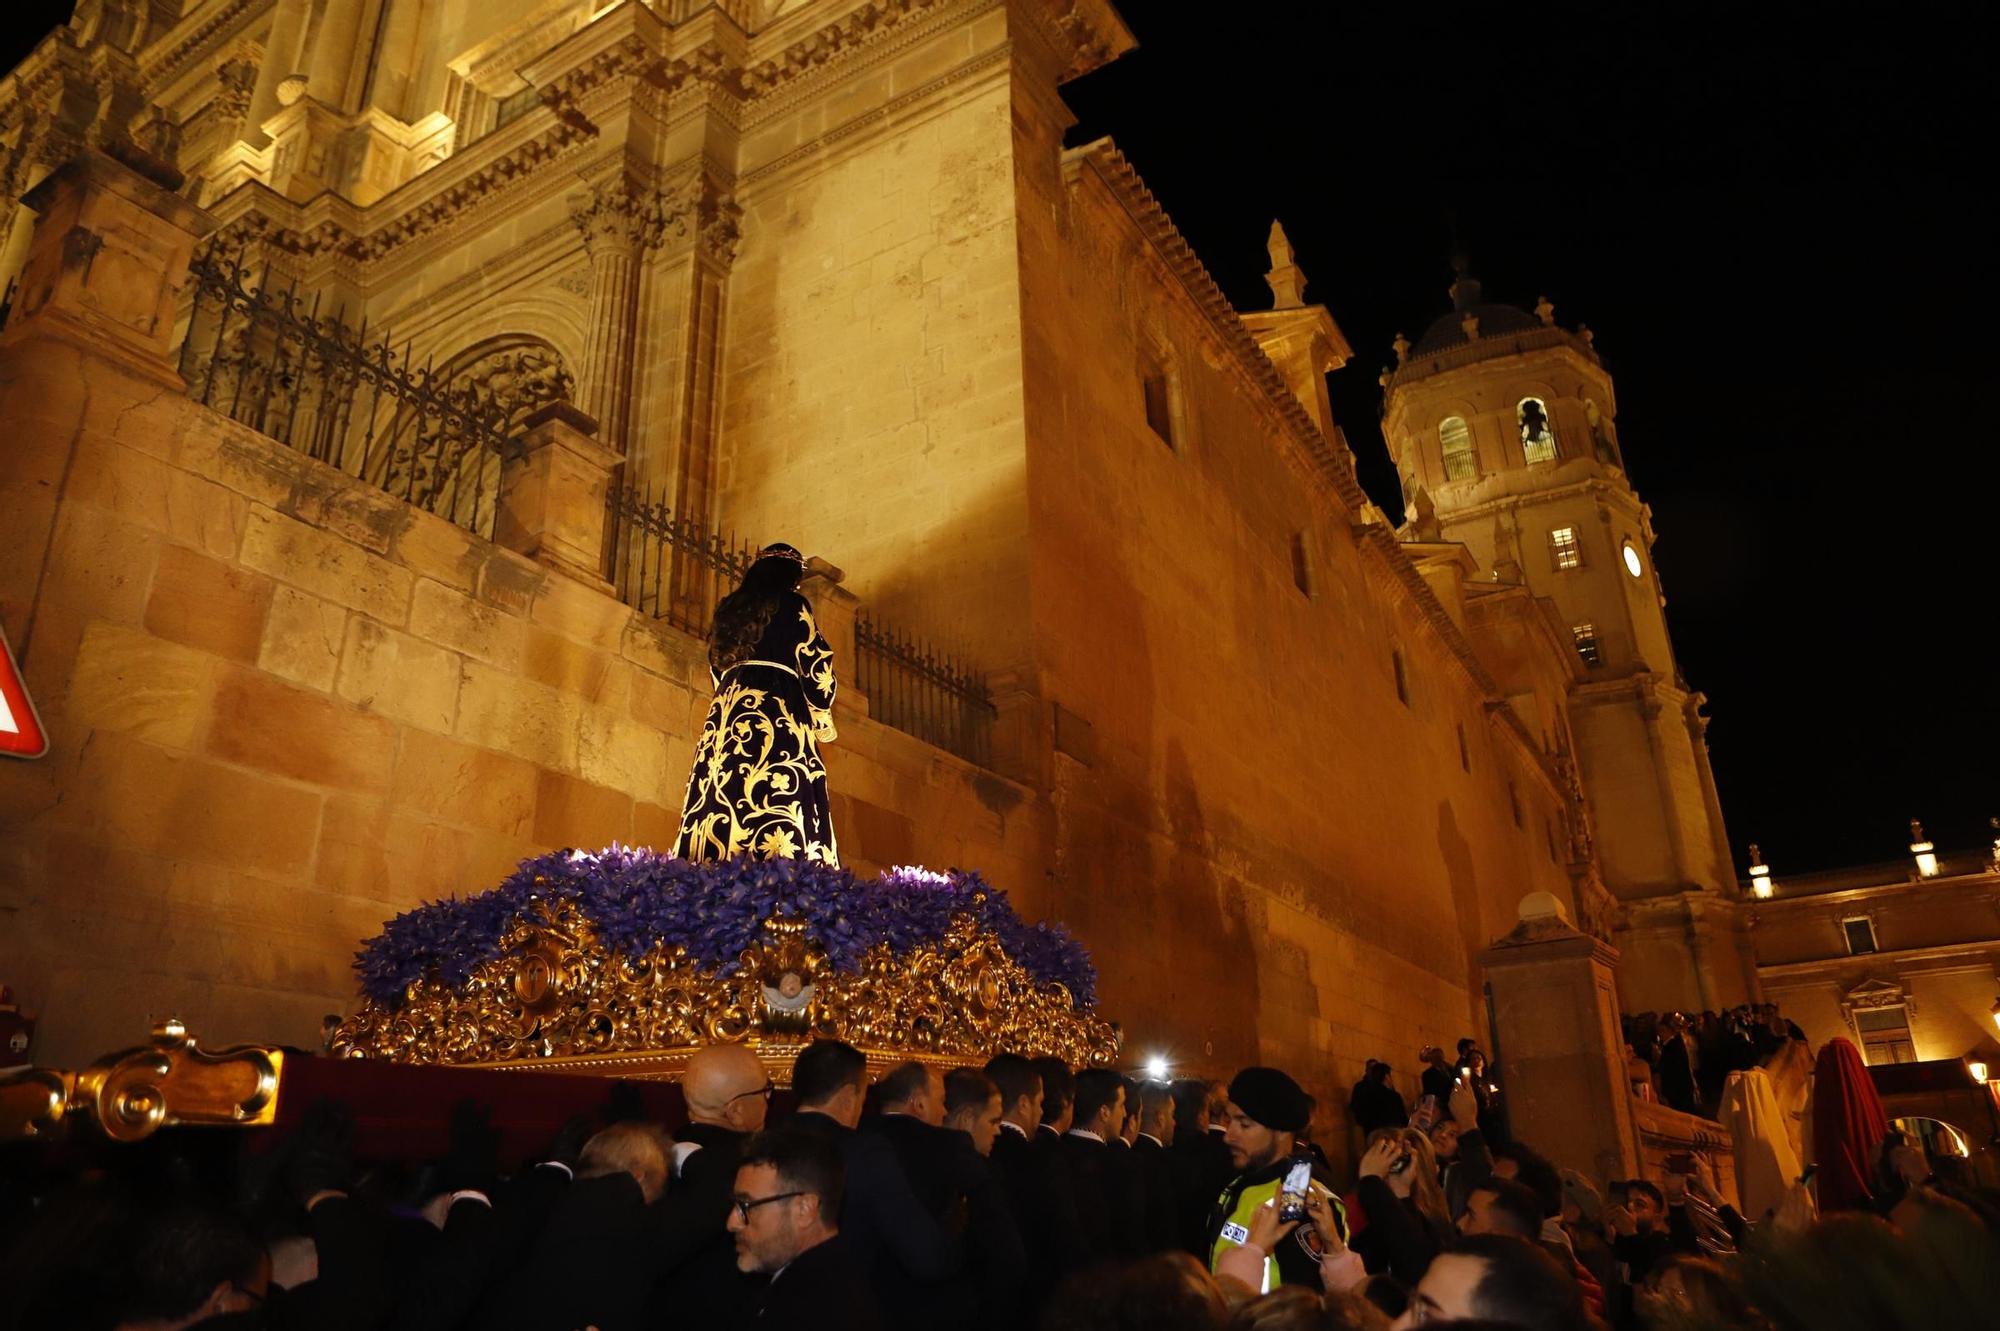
[{"x": 637, "y": 900}]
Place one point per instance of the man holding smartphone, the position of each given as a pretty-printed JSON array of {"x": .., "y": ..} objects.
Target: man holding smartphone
[{"x": 1267, "y": 1111}]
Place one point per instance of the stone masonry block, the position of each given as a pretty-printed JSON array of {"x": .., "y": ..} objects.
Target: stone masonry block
[
  {"x": 655, "y": 825},
  {"x": 302, "y": 638},
  {"x": 256, "y": 468},
  {"x": 660, "y": 703},
  {"x": 186, "y": 508},
  {"x": 562, "y": 663},
  {"x": 186, "y": 807},
  {"x": 203, "y": 603},
  {"x": 665, "y": 651},
  {"x": 133, "y": 682},
  {"x": 473, "y": 628},
  {"x": 510, "y": 582},
  {"x": 338, "y": 504},
  {"x": 462, "y": 784},
  {"x": 617, "y": 751},
  {"x": 270, "y": 725},
  {"x": 404, "y": 678},
  {"x": 569, "y": 812},
  {"x": 433, "y": 548},
  {"x": 326, "y": 566},
  {"x": 498, "y": 710},
  {"x": 581, "y": 612}
]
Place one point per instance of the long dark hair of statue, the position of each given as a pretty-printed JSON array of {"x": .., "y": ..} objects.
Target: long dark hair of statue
[{"x": 742, "y": 616}]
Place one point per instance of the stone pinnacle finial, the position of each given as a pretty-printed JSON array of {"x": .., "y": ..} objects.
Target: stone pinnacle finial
[
  {"x": 1402, "y": 346},
  {"x": 1287, "y": 281},
  {"x": 1545, "y": 311}
]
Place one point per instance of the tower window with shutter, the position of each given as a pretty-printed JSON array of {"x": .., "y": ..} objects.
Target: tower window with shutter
[{"x": 1563, "y": 548}]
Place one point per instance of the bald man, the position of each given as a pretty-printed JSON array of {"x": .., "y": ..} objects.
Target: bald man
[{"x": 728, "y": 1094}]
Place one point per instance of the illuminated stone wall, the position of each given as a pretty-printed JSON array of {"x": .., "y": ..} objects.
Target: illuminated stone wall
[
  {"x": 846, "y": 288},
  {"x": 1314, "y": 865},
  {"x": 286, "y": 706}
]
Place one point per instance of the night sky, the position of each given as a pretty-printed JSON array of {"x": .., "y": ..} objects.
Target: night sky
[
  {"x": 1772, "y": 232},
  {"x": 1767, "y": 215}
]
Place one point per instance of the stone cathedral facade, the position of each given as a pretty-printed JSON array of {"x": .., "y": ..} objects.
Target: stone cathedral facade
[{"x": 824, "y": 271}]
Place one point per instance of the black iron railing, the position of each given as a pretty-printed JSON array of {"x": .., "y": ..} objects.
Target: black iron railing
[
  {"x": 672, "y": 569},
  {"x": 923, "y": 692},
  {"x": 435, "y": 438}
]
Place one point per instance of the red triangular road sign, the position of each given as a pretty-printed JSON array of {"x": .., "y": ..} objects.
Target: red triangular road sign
[{"x": 21, "y": 733}]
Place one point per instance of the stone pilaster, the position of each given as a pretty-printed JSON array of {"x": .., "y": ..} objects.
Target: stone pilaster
[
  {"x": 551, "y": 505},
  {"x": 618, "y": 226},
  {"x": 1555, "y": 1007}
]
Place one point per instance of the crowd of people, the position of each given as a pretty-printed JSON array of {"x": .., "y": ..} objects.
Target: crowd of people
[
  {"x": 1014, "y": 1195},
  {"x": 1684, "y": 1061}
]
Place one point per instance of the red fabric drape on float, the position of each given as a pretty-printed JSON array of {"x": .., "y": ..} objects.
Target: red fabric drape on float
[{"x": 1849, "y": 1126}]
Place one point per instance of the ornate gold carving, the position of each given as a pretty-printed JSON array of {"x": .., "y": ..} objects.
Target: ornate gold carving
[
  {"x": 173, "y": 1081},
  {"x": 555, "y": 993},
  {"x": 32, "y": 1103}
]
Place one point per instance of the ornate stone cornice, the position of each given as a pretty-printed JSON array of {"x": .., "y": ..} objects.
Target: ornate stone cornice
[{"x": 165, "y": 58}]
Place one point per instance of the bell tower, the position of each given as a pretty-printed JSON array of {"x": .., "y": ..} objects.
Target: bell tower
[{"x": 1502, "y": 424}]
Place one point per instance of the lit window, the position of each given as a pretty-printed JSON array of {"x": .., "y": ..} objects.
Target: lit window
[
  {"x": 1885, "y": 1035},
  {"x": 1565, "y": 550},
  {"x": 1402, "y": 679},
  {"x": 1860, "y": 931},
  {"x": 1585, "y": 636},
  {"x": 1633, "y": 564},
  {"x": 1456, "y": 437},
  {"x": 1538, "y": 440}
]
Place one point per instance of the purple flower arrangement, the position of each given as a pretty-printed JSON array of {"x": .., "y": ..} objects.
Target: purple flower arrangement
[{"x": 637, "y": 899}]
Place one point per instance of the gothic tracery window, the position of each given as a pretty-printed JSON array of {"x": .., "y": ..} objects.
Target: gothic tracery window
[{"x": 1538, "y": 440}]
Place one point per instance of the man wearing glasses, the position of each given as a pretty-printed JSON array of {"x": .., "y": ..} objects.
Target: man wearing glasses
[
  {"x": 728, "y": 1095},
  {"x": 784, "y": 1215}
]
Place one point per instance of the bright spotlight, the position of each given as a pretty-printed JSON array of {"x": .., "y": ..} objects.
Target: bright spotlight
[{"x": 1156, "y": 1068}]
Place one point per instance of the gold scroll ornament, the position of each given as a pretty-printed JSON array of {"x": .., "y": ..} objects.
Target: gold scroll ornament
[{"x": 558, "y": 999}]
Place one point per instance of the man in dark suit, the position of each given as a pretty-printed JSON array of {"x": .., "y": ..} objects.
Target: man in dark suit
[
  {"x": 1199, "y": 1161},
  {"x": 888, "y": 1230},
  {"x": 1149, "y": 1152},
  {"x": 1027, "y": 1163},
  {"x": 728, "y": 1095},
  {"x": 1105, "y": 1206},
  {"x": 911, "y": 1098},
  {"x": 783, "y": 1218}
]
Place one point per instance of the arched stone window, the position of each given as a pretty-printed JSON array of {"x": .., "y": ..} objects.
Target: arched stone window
[
  {"x": 1538, "y": 439},
  {"x": 432, "y": 464},
  {"x": 1455, "y": 436}
]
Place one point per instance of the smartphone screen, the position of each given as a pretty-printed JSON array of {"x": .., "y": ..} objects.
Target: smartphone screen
[{"x": 1292, "y": 1196}]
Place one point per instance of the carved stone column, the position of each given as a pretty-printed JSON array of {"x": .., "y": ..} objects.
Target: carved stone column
[
  {"x": 700, "y": 227},
  {"x": 618, "y": 226}
]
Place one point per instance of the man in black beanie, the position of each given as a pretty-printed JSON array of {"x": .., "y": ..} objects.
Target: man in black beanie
[{"x": 1267, "y": 1112}]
